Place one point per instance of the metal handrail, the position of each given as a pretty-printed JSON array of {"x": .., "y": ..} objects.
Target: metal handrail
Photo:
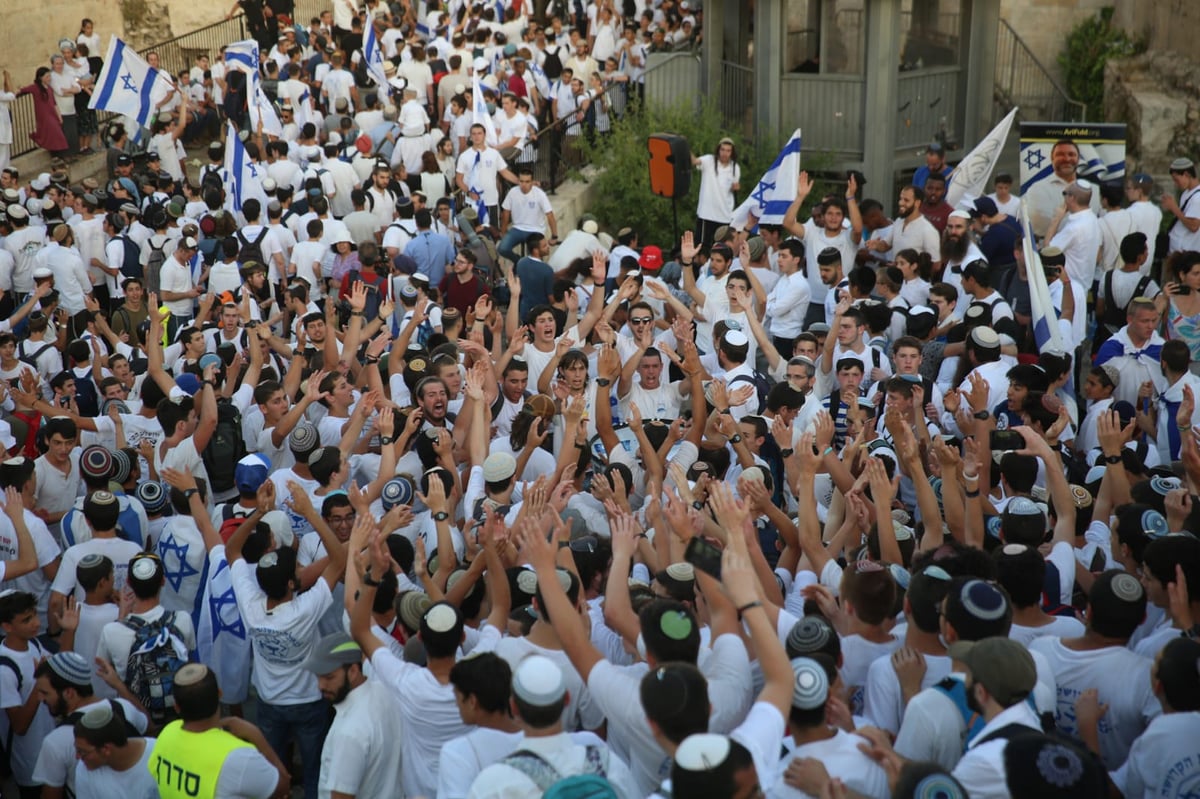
[{"x": 1019, "y": 49}]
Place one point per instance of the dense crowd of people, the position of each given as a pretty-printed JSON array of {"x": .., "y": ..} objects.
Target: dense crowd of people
[{"x": 356, "y": 474}]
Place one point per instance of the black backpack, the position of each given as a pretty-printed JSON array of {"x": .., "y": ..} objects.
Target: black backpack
[
  {"x": 153, "y": 661},
  {"x": 761, "y": 387},
  {"x": 154, "y": 263},
  {"x": 87, "y": 397},
  {"x": 225, "y": 448},
  {"x": 252, "y": 250},
  {"x": 553, "y": 65},
  {"x": 131, "y": 264}
]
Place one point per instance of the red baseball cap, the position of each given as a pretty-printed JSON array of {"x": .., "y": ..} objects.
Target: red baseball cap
[{"x": 651, "y": 258}]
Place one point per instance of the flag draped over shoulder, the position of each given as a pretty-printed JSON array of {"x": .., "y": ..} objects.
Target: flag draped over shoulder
[
  {"x": 769, "y": 200},
  {"x": 128, "y": 85},
  {"x": 968, "y": 181}
]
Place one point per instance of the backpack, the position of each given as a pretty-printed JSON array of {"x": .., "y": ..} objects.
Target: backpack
[
  {"x": 225, "y": 448},
  {"x": 87, "y": 398},
  {"x": 553, "y": 65},
  {"x": 6, "y": 744},
  {"x": 154, "y": 263},
  {"x": 131, "y": 264},
  {"x": 375, "y": 291},
  {"x": 209, "y": 248},
  {"x": 211, "y": 179},
  {"x": 956, "y": 691},
  {"x": 153, "y": 661},
  {"x": 28, "y": 358},
  {"x": 761, "y": 387},
  {"x": 547, "y": 778},
  {"x": 252, "y": 250}
]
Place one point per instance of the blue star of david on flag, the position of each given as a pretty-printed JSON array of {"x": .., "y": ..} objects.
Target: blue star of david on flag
[
  {"x": 768, "y": 201},
  {"x": 172, "y": 552},
  {"x": 1034, "y": 158},
  {"x": 128, "y": 85}
]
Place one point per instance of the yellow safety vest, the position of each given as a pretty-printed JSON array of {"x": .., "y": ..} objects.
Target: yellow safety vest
[{"x": 186, "y": 765}]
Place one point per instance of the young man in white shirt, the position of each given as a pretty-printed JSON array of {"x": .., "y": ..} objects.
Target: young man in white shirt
[
  {"x": 1100, "y": 660},
  {"x": 831, "y": 233},
  {"x": 359, "y": 756},
  {"x": 281, "y": 623}
]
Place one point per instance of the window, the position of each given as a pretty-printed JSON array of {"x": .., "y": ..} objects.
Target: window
[
  {"x": 825, "y": 37},
  {"x": 929, "y": 34}
]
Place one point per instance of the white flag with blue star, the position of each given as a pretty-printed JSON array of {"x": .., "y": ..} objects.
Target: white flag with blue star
[
  {"x": 769, "y": 200},
  {"x": 128, "y": 85},
  {"x": 242, "y": 55}
]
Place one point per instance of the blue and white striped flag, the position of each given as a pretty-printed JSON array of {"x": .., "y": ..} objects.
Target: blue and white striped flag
[
  {"x": 475, "y": 186},
  {"x": 769, "y": 200},
  {"x": 242, "y": 55},
  {"x": 373, "y": 56},
  {"x": 1046, "y": 332},
  {"x": 479, "y": 112},
  {"x": 128, "y": 85},
  {"x": 260, "y": 107},
  {"x": 245, "y": 180}
]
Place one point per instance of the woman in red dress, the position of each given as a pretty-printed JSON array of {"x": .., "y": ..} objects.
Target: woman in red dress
[{"x": 49, "y": 134}]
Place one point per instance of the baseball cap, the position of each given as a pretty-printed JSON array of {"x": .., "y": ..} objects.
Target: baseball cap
[
  {"x": 1001, "y": 665},
  {"x": 251, "y": 472},
  {"x": 332, "y": 652},
  {"x": 651, "y": 258},
  {"x": 985, "y": 206}
]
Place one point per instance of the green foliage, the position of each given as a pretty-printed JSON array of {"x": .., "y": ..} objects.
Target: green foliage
[
  {"x": 1089, "y": 46},
  {"x": 623, "y": 197}
]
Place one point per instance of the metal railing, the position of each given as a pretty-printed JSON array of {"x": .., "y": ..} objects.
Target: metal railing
[
  {"x": 558, "y": 147},
  {"x": 735, "y": 94},
  {"x": 1023, "y": 81},
  {"x": 174, "y": 55}
]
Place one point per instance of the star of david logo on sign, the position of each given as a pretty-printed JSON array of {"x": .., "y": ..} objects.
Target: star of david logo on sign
[
  {"x": 173, "y": 553},
  {"x": 1034, "y": 158},
  {"x": 127, "y": 82}
]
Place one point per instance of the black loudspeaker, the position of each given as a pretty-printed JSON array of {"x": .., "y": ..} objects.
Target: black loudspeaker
[{"x": 670, "y": 165}]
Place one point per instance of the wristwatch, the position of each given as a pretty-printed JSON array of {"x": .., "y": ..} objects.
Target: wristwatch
[
  {"x": 736, "y": 438},
  {"x": 385, "y": 440},
  {"x": 603, "y": 382},
  {"x": 441, "y": 516},
  {"x": 188, "y": 492},
  {"x": 787, "y": 453},
  {"x": 369, "y": 580},
  {"x": 697, "y": 504},
  {"x": 1112, "y": 460},
  {"x": 981, "y": 415}
]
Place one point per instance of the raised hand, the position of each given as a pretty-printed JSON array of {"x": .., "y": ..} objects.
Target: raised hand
[{"x": 687, "y": 246}]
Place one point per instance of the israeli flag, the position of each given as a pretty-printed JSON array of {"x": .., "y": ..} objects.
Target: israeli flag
[
  {"x": 245, "y": 177},
  {"x": 479, "y": 112},
  {"x": 374, "y": 60},
  {"x": 260, "y": 107},
  {"x": 128, "y": 85},
  {"x": 1046, "y": 332},
  {"x": 776, "y": 191},
  {"x": 221, "y": 642},
  {"x": 243, "y": 55}
]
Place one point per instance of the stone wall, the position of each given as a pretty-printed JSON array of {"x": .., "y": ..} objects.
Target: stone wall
[
  {"x": 1167, "y": 24},
  {"x": 1158, "y": 96},
  {"x": 33, "y": 27},
  {"x": 1043, "y": 24},
  {"x": 1157, "y": 93}
]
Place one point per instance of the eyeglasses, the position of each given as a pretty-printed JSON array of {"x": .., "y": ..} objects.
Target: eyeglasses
[{"x": 336, "y": 520}]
